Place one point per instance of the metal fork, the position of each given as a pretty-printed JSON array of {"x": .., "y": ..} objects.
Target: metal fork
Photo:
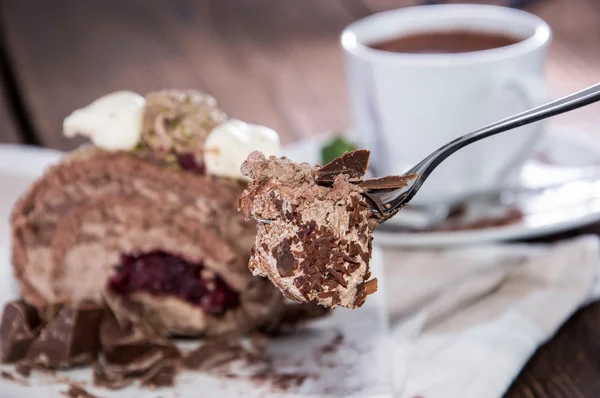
[
  {"x": 390, "y": 202},
  {"x": 394, "y": 200}
]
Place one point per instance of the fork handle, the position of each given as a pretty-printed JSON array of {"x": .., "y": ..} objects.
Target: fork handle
[{"x": 553, "y": 108}]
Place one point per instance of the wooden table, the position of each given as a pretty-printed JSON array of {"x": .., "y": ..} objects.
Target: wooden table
[
  {"x": 267, "y": 61},
  {"x": 8, "y": 126}
]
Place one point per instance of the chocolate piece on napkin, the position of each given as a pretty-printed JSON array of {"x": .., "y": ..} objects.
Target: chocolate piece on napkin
[
  {"x": 18, "y": 329},
  {"x": 71, "y": 339},
  {"x": 212, "y": 354},
  {"x": 161, "y": 374},
  {"x": 125, "y": 343},
  {"x": 152, "y": 369}
]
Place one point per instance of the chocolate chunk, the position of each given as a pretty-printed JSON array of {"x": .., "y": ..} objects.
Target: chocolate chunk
[
  {"x": 11, "y": 377},
  {"x": 285, "y": 258},
  {"x": 18, "y": 329},
  {"x": 335, "y": 300},
  {"x": 107, "y": 377},
  {"x": 212, "y": 353},
  {"x": 364, "y": 290},
  {"x": 259, "y": 342},
  {"x": 285, "y": 381},
  {"x": 388, "y": 182},
  {"x": 338, "y": 277},
  {"x": 285, "y": 264},
  {"x": 23, "y": 369},
  {"x": 7, "y": 376},
  {"x": 71, "y": 339},
  {"x": 349, "y": 259},
  {"x": 370, "y": 287},
  {"x": 280, "y": 381},
  {"x": 76, "y": 391},
  {"x": 353, "y": 164},
  {"x": 123, "y": 344},
  {"x": 160, "y": 375},
  {"x": 151, "y": 368}
]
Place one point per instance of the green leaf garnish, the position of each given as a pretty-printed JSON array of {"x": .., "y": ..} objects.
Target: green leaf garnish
[{"x": 336, "y": 148}]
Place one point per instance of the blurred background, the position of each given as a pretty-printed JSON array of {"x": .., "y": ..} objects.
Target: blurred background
[{"x": 272, "y": 62}]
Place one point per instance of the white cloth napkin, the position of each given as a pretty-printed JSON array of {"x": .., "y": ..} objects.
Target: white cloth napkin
[{"x": 465, "y": 321}]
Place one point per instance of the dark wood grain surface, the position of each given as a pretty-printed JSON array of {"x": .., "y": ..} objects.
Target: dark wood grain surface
[
  {"x": 568, "y": 366},
  {"x": 271, "y": 62},
  {"x": 8, "y": 127},
  {"x": 267, "y": 61}
]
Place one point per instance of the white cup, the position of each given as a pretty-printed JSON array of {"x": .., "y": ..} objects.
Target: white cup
[{"x": 405, "y": 106}]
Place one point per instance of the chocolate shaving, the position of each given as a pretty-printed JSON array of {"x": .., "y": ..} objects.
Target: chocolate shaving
[
  {"x": 71, "y": 339},
  {"x": 259, "y": 342},
  {"x": 151, "y": 368},
  {"x": 349, "y": 259},
  {"x": 8, "y": 376},
  {"x": 370, "y": 287},
  {"x": 362, "y": 237},
  {"x": 338, "y": 277},
  {"x": 211, "y": 354},
  {"x": 124, "y": 343},
  {"x": 160, "y": 375},
  {"x": 285, "y": 259},
  {"x": 23, "y": 369},
  {"x": 353, "y": 164},
  {"x": 106, "y": 377},
  {"x": 388, "y": 182},
  {"x": 364, "y": 290},
  {"x": 335, "y": 300},
  {"x": 11, "y": 377},
  {"x": 18, "y": 329},
  {"x": 282, "y": 381},
  {"x": 327, "y": 294},
  {"x": 76, "y": 391}
]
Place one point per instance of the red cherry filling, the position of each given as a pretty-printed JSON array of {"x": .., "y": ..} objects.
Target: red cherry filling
[
  {"x": 161, "y": 273},
  {"x": 187, "y": 161}
]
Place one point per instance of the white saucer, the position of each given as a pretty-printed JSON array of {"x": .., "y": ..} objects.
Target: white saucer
[{"x": 562, "y": 153}]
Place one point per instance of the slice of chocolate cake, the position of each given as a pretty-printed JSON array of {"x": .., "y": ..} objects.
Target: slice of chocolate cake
[{"x": 141, "y": 217}]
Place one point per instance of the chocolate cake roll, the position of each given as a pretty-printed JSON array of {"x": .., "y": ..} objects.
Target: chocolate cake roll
[{"x": 143, "y": 220}]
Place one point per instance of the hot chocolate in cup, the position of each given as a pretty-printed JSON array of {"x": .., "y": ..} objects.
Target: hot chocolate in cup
[{"x": 420, "y": 77}]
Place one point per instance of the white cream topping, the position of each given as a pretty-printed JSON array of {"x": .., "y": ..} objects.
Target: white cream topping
[
  {"x": 230, "y": 143},
  {"x": 112, "y": 122}
]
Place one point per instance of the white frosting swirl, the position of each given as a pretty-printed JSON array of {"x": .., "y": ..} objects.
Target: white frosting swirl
[
  {"x": 112, "y": 122},
  {"x": 229, "y": 144}
]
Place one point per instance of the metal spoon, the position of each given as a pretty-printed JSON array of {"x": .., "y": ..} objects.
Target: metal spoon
[{"x": 394, "y": 200}]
